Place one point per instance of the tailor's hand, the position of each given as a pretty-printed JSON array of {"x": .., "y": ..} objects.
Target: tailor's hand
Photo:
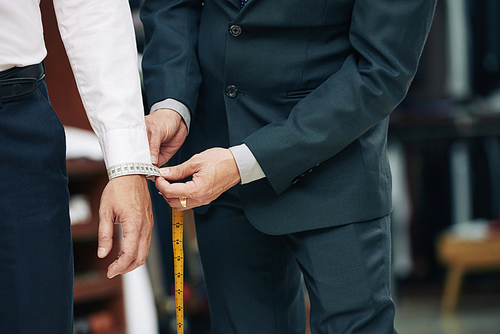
[
  {"x": 213, "y": 172},
  {"x": 126, "y": 201},
  {"x": 166, "y": 133}
]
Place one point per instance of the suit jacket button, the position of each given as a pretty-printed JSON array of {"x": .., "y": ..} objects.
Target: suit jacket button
[
  {"x": 231, "y": 91},
  {"x": 235, "y": 30}
]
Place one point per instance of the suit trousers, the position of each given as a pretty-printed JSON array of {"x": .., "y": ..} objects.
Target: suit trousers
[
  {"x": 255, "y": 281},
  {"x": 36, "y": 260}
]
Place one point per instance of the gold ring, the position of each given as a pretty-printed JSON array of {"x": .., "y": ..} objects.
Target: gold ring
[{"x": 183, "y": 201}]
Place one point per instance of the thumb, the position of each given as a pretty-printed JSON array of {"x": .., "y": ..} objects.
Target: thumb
[
  {"x": 105, "y": 234},
  {"x": 154, "y": 150},
  {"x": 178, "y": 172}
]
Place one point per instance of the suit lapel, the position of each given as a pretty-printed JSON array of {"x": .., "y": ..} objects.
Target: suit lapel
[{"x": 236, "y": 3}]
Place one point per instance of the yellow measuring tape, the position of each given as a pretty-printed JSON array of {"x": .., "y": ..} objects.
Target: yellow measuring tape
[{"x": 177, "y": 236}]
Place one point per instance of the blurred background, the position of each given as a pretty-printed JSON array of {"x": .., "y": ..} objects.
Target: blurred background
[{"x": 444, "y": 148}]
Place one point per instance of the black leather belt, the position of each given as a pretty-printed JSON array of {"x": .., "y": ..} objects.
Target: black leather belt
[{"x": 20, "y": 82}]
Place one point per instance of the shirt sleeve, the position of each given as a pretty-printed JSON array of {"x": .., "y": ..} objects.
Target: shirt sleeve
[
  {"x": 99, "y": 40},
  {"x": 175, "y": 105},
  {"x": 248, "y": 166}
]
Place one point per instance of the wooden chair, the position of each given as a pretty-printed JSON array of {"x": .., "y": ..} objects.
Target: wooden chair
[{"x": 461, "y": 256}]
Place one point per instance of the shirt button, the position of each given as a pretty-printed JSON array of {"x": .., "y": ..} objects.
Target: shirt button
[
  {"x": 235, "y": 30},
  {"x": 231, "y": 91}
]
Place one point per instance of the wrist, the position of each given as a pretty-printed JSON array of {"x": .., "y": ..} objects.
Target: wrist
[{"x": 170, "y": 114}]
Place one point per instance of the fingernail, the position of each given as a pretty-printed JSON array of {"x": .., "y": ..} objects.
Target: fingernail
[
  {"x": 114, "y": 264},
  {"x": 164, "y": 171},
  {"x": 101, "y": 251},
  {"x": 154, "y": 161}
]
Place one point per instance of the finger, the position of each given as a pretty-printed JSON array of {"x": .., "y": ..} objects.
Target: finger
[
  {"x": 105, "y": 233},
  {"x": 144, "y": 241},
  {"x": 153, "y": 139},
  {"x": 178, "y": 172},
  {"x": 191, "y": 203},
  {"x": 154, "y": 149},
  {"x": 161, "y": 184},
  {"x": 177, "y": 203},
  {"x": 173, "y": 191},
  {"x": 142, "y": 254},
  {"x": 174, "y": 202},
  {"x": 163, "y": 159},
  {"x": 128, "y": 253}
]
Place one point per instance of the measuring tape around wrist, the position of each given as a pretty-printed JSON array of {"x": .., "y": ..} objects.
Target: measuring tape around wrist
[
  {"x": 177, "y": 242},
  {"x": 133, "y": 168}
]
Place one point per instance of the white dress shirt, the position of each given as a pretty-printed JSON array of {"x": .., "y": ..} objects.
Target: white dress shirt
[{"x": 100, "y": 44}]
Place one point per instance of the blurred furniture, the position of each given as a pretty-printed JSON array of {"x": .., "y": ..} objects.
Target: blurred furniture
[
  {"x": 428, "y": 131},
  {"x": 462, "y": 256},
  {"x": 98, "y": 301}
]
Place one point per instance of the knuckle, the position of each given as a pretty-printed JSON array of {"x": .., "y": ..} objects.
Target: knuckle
[
  {"x": 127, "y": 259},
  {"x": 104, "y": 236},
  {"x": 135, "y": 228},
  {"x": 140, "y": 261}
]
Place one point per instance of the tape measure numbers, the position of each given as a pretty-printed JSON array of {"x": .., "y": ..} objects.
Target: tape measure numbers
[
  {"x": 177, "y": 236},
  {"x": 133, "y": 168}
]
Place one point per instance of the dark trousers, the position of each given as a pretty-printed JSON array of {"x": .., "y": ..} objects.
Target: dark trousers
[
  {"x": 255, "y": 281},
  {"x": 36, "y": 261}
]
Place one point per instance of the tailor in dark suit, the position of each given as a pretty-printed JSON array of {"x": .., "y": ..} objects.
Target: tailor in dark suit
[{"x": 308, "y": 86}]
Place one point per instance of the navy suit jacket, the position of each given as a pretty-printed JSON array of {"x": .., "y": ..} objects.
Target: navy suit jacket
[{"x": 307, "y": 85}]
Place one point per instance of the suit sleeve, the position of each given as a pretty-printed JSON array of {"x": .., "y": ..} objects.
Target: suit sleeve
[
  {"x": 387, "y": 38},
  {"x": 170, "y": 64}
]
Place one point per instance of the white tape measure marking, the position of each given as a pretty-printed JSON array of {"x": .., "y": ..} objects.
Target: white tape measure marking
[{"x": 133, "y": 168}]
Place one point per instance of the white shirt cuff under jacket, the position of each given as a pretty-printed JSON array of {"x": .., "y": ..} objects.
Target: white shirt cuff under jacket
[
  {"x": 248, "y": 166},
  {"x": 176, "y": 106}
]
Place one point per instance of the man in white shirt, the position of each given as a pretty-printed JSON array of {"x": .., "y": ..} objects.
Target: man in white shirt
[{"x": 36, "y": 263}]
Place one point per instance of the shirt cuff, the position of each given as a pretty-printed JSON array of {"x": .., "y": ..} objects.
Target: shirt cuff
[
  {"x": 248, "y": 166},
  {"x": 176, "y": 106},
  {"x": 126, "y": 152},
  {"x": 125, "y": 145}
]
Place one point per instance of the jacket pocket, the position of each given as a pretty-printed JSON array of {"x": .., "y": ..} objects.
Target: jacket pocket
[{"x": 298, "y": 94}]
